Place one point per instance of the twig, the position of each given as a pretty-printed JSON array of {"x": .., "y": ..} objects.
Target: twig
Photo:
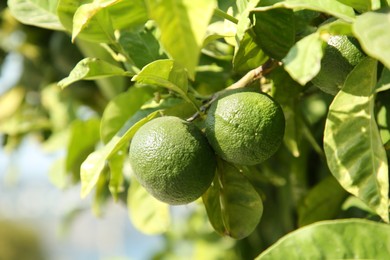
[
  {"x": 248, "y": 79},
  {"x": 255, "y": 74}
]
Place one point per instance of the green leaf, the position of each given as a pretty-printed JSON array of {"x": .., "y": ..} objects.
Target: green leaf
[
  {"x": 120, "y": 109},
  {"x": 372, "y": 31},
  {"x": 384, "y": 81},
  {"x": 323, "y": 202},
  {"x": 116, "y": 164},
  {"x": 128, "y": 14},
  {"x": 244, "y": 23},
  {"x": 92, "y": 167},
  {"x": 361, "y": 5},
  {"x": 338, "y": 27},
  {"x": 39, "y": 13},
  {"x": 303, "y": 61},
  {"x": 232, "y": 203},
  {"x": 336, "y": 239},
  {"x": 275, "y": 31},
  {"x": 167, "y": 74},
  {"x": 84, "y": 135},
  {"x": 183, "y": 25},
  {"x": 332, "y": 7},
  {"x": 91, "y": 69},
  {"x": 123, "y": 14},
  {"x": 248, "y": 55},
  {"x": 164, "y": 73},
  {"x": 101, "y": 195},
  {"x": 352, "y": 142},
  {"x": 141, "y": 46},
  {"x": 147, "y": 213},
  {"x": 97, "y": 19}
]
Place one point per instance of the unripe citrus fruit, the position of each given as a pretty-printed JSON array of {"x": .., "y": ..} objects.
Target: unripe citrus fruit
[
  {"x": 245, "y": 128},
  {"x": 341, "y": 55},
  {"x": 172, "y": 160}
]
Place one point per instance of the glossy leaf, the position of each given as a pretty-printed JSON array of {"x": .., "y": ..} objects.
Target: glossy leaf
[
  {"x": 352, "y": 142},
  {"x": 120, "y": 109},
  {"x": 95, "y": 162},
  {"x": 147, "y": 213},
  {"x": 331, "y": 7},
  {"x": 275, "y": 31},
  {"x": 92, "y": 68},
  {"x": 36, "y": 12},
  {"x": 336, "y": 239},
  {"x": 303, "y": 61},
  {"x": 183, "y": 25},
  {"x": 230, "y": 214},
  {"x": 372, "y": 31},
  {"x": 323, "y": 202}
]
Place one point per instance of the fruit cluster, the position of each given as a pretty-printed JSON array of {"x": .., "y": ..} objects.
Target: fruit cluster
[{"x": 176, "y": 162}]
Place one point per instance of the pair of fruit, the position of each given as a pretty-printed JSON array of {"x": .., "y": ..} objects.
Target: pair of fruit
[{"x": 176, "y": 162}]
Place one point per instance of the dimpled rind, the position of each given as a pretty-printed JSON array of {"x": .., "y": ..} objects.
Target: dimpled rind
[
  {"x": 172, "y": 160},
  {"x": 245, "y": 128}
]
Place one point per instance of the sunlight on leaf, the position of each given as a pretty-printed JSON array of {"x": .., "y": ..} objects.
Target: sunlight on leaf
[
  {"x": 167, "y": 74},
  {"x": 121, "y": 14},
  {"x": 93, "y": 13},
  {"x": 36, "y": 12},
  {"x": 92, "y": 68},
  {"x": 303, "y": 61},
  {"x": 331, "y": 7},
  {"x": 335, "y": 239},
  {"x": 183, "y": 25},
  {"x": 372, "y": 31},
  {"x": 353, "y": 146}
]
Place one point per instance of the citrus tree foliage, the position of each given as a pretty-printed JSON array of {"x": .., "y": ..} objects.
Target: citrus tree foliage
[{"x": 95, "y": 71}]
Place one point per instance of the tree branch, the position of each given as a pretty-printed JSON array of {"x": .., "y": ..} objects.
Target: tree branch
[{"x": 246, "y": 80}]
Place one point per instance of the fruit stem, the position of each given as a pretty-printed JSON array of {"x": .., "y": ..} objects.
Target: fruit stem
[
  {"x": 246, "y": 80},
  {"x": 255, "y": 74}
]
